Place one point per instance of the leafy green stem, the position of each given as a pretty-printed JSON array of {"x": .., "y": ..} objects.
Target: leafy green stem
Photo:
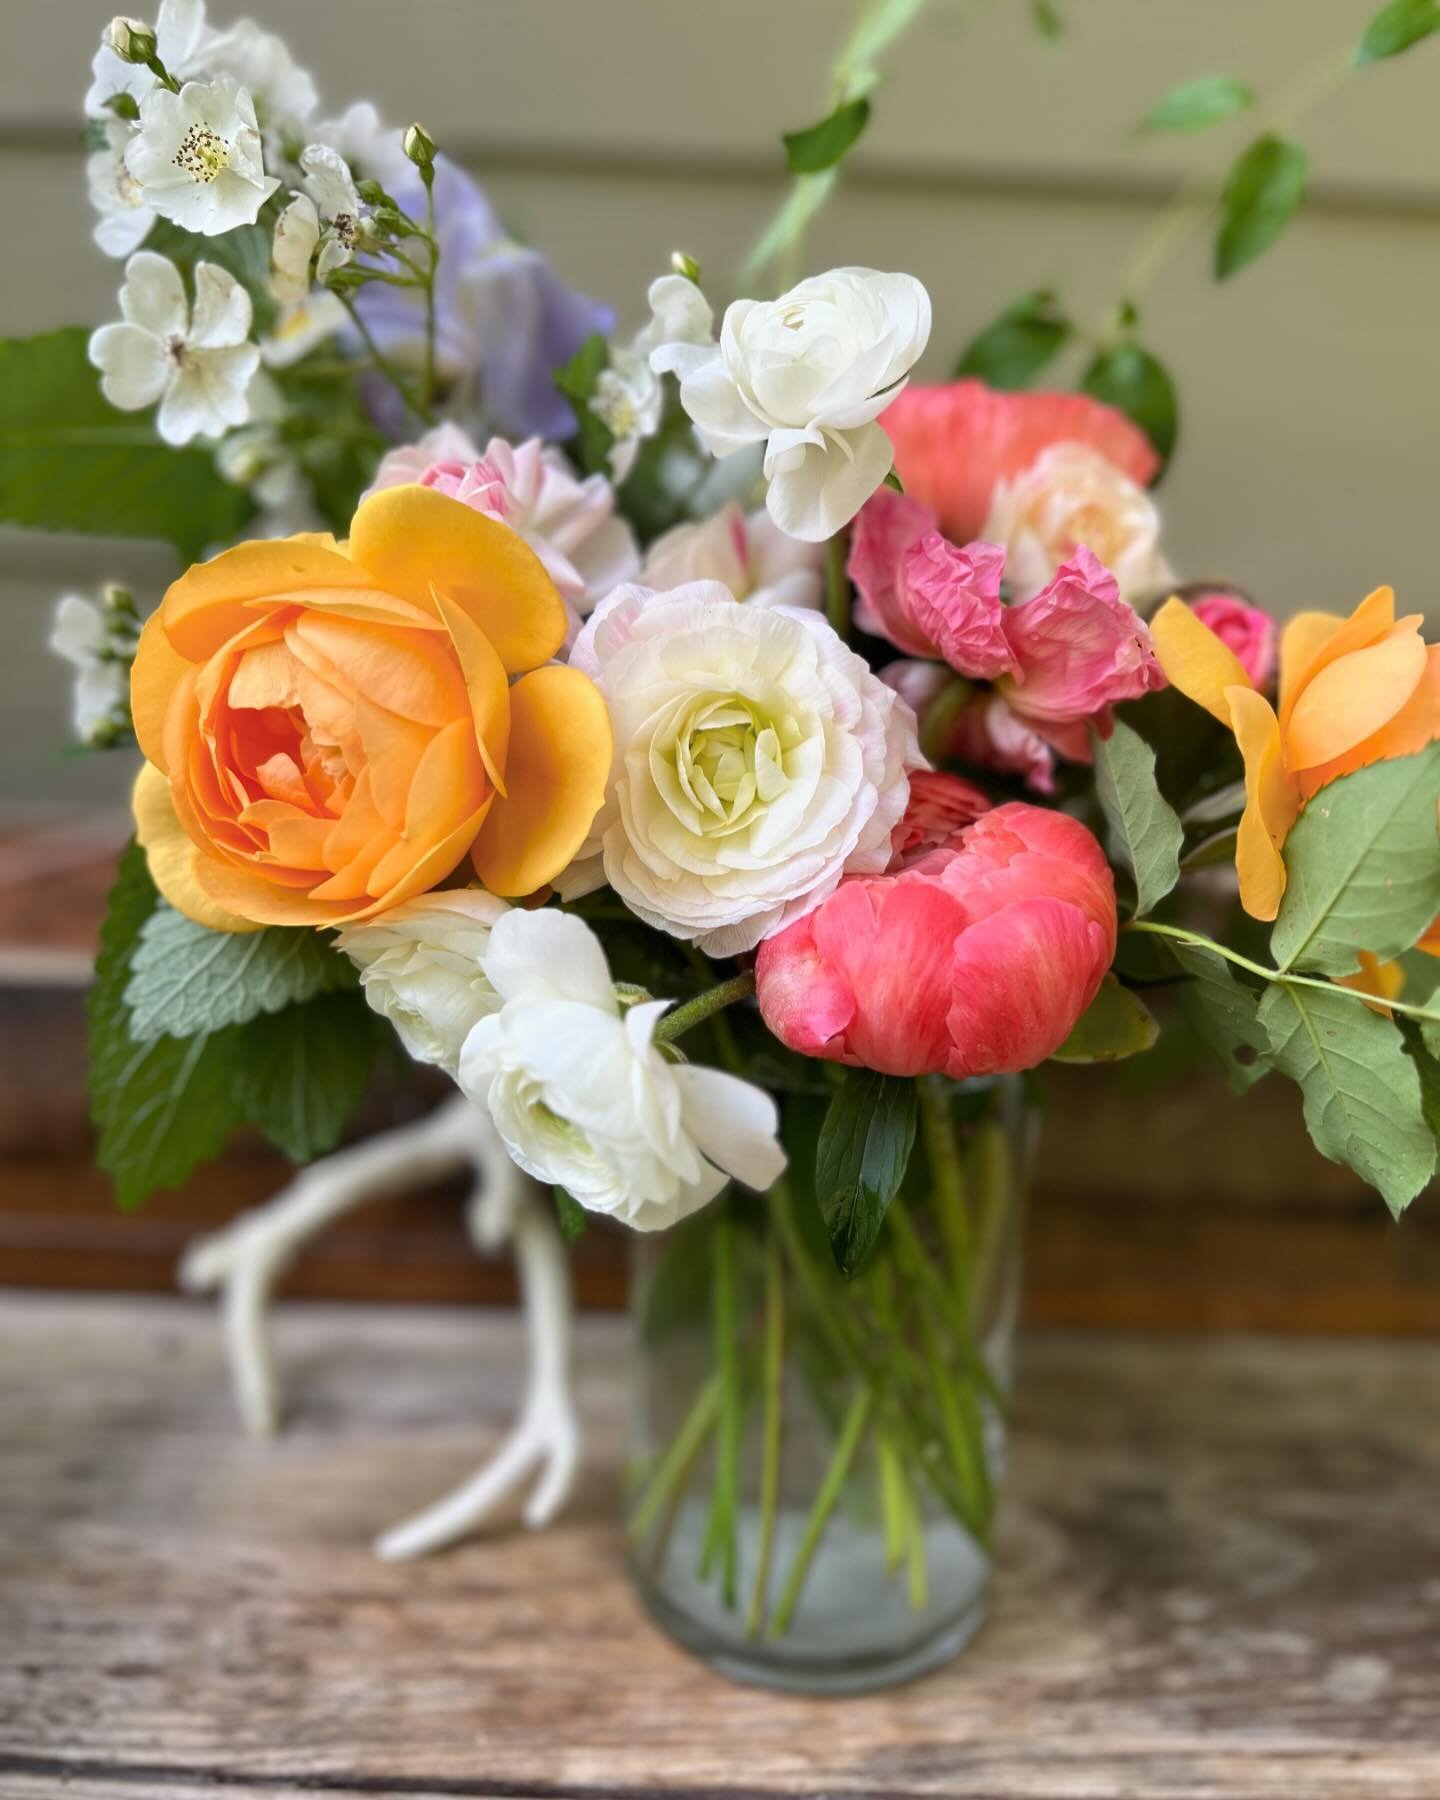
[
  {"x": 772, "y": 1388},
  {"x": 703, "y": 1006}
]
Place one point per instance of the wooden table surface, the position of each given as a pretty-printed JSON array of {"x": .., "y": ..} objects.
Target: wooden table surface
[{"x": 1220, "y": 1576}]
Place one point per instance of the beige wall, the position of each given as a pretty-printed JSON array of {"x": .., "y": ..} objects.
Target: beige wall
[{"x": 610, "y": 131}]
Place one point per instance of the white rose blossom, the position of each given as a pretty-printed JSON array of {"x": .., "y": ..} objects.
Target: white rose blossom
[
  {"x": 628, "y": 397},
  {"x": 1072, "y": 495},
  {"x": 307, "y": 316},
  {"x": 583, "y": 1097},
  {"x": 808, "y": 375},
  {"x": 181, "y": 36},
  {"x": 98, "y": 643},
  {"x": 283, "y": 92},
  {"x": 747, "y": 553},
  {"x": 197, "y": 366},
  {"x": 331, "y": 188},
  {"x": 757, "y": 760},
  {"x": 125, "y": 219},
  {"x": 422, "y": 967},
  {"x": 197, "y": 156},
  {"x": 366, "y": 143}
]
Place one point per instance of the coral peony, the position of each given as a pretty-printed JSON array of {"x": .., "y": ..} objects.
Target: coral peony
[{"x": 976, "y": 960}]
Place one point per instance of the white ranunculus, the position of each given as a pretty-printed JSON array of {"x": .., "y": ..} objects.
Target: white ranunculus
[
  {"x": 808, "y": 375},
  {"x": 125, "y": 219},
  {"x": 570, "y": 523},
  {"x": 197, "y": 156},
  {"x": 1070, "y": 496},
  {"x": 747, "y": 553},
  {"x": 422, "y": 967},
  {"x": 583, "y": 1098},
  {"x": 757, "y": 760},
  {"x": 198, "y": 367}
]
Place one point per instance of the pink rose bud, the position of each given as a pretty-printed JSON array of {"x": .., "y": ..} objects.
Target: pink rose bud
[
  {"x": 977, "y": 959},
  {"x": 1242, "y": 628}
]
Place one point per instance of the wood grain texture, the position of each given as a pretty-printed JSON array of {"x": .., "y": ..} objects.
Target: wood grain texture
[{"x": 1220, "y": 1577}]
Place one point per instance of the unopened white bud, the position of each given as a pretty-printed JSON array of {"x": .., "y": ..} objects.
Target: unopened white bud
[{"x": 132, "y": 40}]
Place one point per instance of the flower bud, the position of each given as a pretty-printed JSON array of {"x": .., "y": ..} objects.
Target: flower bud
[
  {"x": 118, "y": 601},
  {"x": 132, "y": 40},
  {"x": 124, "y": 106},
  {"x": 685, "y": 264},
  {"x": 372, "y": 193},
  {"x": 419, "y": 146}
]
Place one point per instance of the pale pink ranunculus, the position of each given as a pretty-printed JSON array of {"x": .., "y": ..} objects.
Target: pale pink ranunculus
[
  {"x": 977, "y": 959},
  {"x": 570, "y": 523},
  {"x": 747, "y": 552},
  {"x": 1243, "y": 628},
  {"x": 939, "y": 806},
  {"x": 955, "y": 443}
]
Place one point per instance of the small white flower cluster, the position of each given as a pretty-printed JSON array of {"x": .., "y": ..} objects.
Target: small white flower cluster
[{"x": 99, "y": 644}]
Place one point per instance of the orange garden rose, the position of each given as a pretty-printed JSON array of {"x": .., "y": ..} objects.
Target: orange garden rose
[
  {"x": 330, "y": 727},
  {"x": 1352, "y": 692}
]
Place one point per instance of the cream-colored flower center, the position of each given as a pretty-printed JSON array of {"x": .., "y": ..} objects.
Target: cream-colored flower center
[
  {"x": 203, "y": 154},
  {"x": 729, "y": 758}
]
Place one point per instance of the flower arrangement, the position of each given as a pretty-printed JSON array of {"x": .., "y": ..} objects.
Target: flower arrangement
[{"x": 733, "y": 762}]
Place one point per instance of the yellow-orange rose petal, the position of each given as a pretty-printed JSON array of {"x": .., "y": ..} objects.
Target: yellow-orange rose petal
[
  {"x": 172, "y": 856},
  {"x": 1195, "y": 660},
  {"x": 1352, "y": 698},
  {"x": 1272, "y": 803}
]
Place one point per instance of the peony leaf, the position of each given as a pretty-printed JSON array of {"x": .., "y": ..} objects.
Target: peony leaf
[
  {"x": 1362, "y": 1092},
  {"x": 1395, "y": 28},
  {"x": 186, "y": 978},
  {"x": 820, "y": 147},
  {"x": 1013, "y": 350},
  {"x": 1139, "y": 815},
  {"x": 1196, "y": 105},
  {"x": 864, "y": 1149},
  {"x": 1131, "y": 380},
  {"x": 301, "y": 1073},
  {"x": 1261, "y": 197},
  {"x": 1223, "y": 1013},
  {"x": 1116, "y": 1024},
  {"x": 70, "y": 462},
  {"x": 1363, "y": 867}
]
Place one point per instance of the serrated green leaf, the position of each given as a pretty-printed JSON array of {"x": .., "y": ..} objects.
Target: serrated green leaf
[
  {"x": 1196, "y": 105},
  {"x": 186, "y": 978},
  {"x": 1116, "y": 1024},
  {"x": 1223, "y": 1013},
  {"x": 1395, "y": 28},
  {"x": 301, "y": 1073},
  {"x": 161, "y": 1107},
  {"x": 70, "y": 462},
  {"x": 570, "y": 1215},
  {"x": 1143, "y": 821},
  {"x": 1137, "y": 384},
  {"x": 1361, "y": 1091},
  {"x": 1261, "y": 197},
  {"x": 861, "y": 1158},
  {"x": 1011, "y": 352},
  {"x": 1362, "y": 867},
  {"x": 820, "y": 147}
]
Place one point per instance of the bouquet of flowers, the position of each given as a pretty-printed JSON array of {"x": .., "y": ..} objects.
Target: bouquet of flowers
[{"x": 735, "y": 764}]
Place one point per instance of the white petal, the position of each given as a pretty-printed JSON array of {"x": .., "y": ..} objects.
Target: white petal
[
  {"x": 549, "y": 955},
  {"x": 179, "y": 33},
  {"x": 123, "y": 230},
  {"x": 222, "y": 309},
  {"x": 814, "y": 500},
  {"x": 721, "y": 416},
  {"x": 153, "y": 296},
  {"x": 132, "y": 364},
  {"x": 78, "y": 633},
  {"x": 734, "y": 1123},
  {"x": 329, "y": 182}
]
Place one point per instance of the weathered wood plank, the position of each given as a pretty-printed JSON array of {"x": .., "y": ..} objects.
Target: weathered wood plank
[{"x": 1221, "y": 1576}]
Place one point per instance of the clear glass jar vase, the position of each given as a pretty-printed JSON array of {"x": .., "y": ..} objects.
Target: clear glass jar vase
[{"x": 814, "y": 1461}]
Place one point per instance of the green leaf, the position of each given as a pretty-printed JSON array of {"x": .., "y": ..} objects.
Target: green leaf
[
  {"x": 1265, "y": 188},
  {"x": 1142, "y": 820},
  {"x": 1363, "y": 867},
  {"x": 301, "y": 1073},
  {"x": 163, "y": 1106},
  {"x": 1135, "y": 383},
  {"x": 1047, "y": 20},
  {"x": 1223, "y": 1013},
  {"x": 70, "y": 462},
  {"x": 1362, "y": 1092},
  {"x": 1196, "y": 105},
  {"x": 187, "y": 978},
  {"x": 1427, "y": 1067},
  {"x": 1011, "y": 352},
  {"x": 1395, "y": 28},
  {"x": 593, "y": 440},
  {"x": 243, "y": 251},
  {"x": 820, "y": 147},
  {"x": 570, "y": 1215},
  {"x": 1116, "y": 1024},
  {"x": 864, "y": 1147}
]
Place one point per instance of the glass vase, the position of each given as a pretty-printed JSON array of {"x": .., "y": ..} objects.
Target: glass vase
[{"x": 814, "y": 1462}]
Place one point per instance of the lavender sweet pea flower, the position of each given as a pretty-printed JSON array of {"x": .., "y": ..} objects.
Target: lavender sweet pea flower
[{"x": 504, "y": 319}]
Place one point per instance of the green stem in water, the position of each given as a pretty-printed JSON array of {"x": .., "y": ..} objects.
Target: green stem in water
[
  {"x": 844, "y": 1452},
  {"x": 724, "y": 1512},
  {"x": 674, "y": 1463},
  {"x": 892, "y": 1502},
  {"x": 696, "y": 1011},
  {"x": 947, "y": 1173},
  {"x": 837, "y": 584},
  {"x": 916, "y": 1574},
  {"x": 773, "y": 1385}
]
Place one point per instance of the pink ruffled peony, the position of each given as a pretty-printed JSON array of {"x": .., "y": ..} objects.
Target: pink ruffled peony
[
  {"x": 1242, "y": 628},
  {"x": 954, "y": 444},
  {"x": 976, "y": 960}
]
